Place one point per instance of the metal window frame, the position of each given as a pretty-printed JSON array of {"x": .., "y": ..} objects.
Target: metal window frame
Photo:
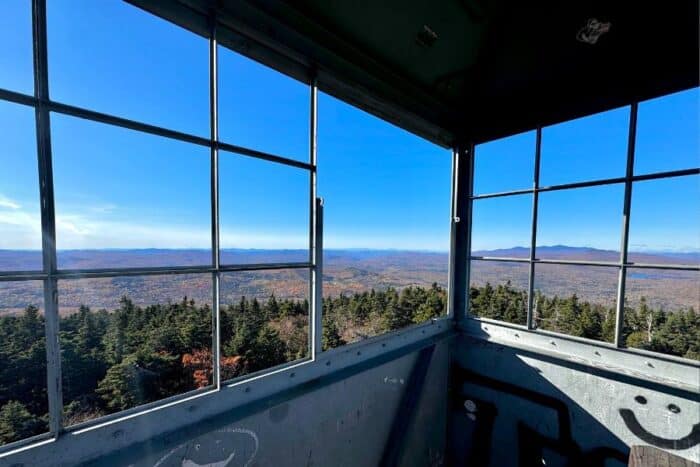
[
  {"x": 622, "y": 265},
  {"x": 50, "y": 273}
]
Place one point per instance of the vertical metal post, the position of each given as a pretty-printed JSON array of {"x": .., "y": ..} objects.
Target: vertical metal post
[
  {"x": 214, "y": 185},
  {"x": 464, "y": 160},
  {"x": 453, "y": 236},
  {"x": 48, "y": 217},
  {"x": 317, "y": 282},
  {"x": 315, "y": 233},
  {"x": 533, "y": 233},
  {"x": 624, "y": 243}
]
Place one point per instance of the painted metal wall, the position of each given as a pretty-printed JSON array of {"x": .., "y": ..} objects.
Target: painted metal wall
[
  {"x": 518, "y": 405},
  {"x": 345, "y": 423}
]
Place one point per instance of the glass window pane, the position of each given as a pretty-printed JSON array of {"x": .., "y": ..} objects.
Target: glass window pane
[
  {"x": 16, "y": 70},
  {"x": 502, "y": 226},
  {"x": 264, "y": 211},
  {"x": 146, "y": 196},
  {"x": 667, "y": 133},
  {"x": 20, "y": 219},
  {"x": 580, "y": 224},
  {"x": 498, "y": 290},
  {"x": 589, "y": 148},
  {"x": 662, "y": 311},
  {"x": 264, "y": 319},
  {"x": 506, "y": 164},
  {"x": 665, "y": 221},
  {"x": 127, "y": 341},
  {"x": 23, "y": 398},
  {"x": 115, "y": 58},
  {"x": 576, "y": 300},
  {"x": 386, "y": 222},
  {"x": 262, "y": 109}
]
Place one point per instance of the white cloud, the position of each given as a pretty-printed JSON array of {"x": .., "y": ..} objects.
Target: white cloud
[
  {"x": 6, "y": 202},
  {"x": 20, "y": 230},
  {"x": 87, "y": 227}
]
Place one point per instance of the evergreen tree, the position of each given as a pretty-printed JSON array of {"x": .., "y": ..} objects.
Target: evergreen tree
[
  {"x": 16, "y": 423},
  {"x": 331, "y": 337}
]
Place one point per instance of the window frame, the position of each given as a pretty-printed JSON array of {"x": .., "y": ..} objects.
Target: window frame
[
  {"x": 622, "y": 265},
  {"x": 282, "y": 376},
  {"x": 50, "y": 273}
]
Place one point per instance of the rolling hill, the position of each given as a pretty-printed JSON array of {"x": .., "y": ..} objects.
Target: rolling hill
[{"x": 346, "y": 272}]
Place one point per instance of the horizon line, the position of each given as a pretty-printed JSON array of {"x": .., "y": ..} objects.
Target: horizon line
[{"x": 426, "y": 250}]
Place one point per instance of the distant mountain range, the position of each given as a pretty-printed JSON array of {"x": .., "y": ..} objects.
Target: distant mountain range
[
  {"x": 560, "y": 252},
  {"x": 345, "y": 272}
]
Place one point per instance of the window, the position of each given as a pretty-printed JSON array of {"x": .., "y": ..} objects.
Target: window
[
  {"x": 386, "y": 224},
  {"x": 20, "y": 221},
  {"x": 16, "y": 71},
  {"x": 582, "y": 224},
  {"x": 576, "y": 300},
  {"x": 515, "y": 154},
  {"x": 262, "y": 109},
  {"x": 501, "y": 227},
  {"x": 573, "y": 151},
  {"x": 128, "y": 199},
  {"x": 499, "y": 290},
  {"x": 264, "y": 211},
  {"x": 662, "y": 311},
  {"x": 264, "y": 320},
  {"x": 127, "y": 341},
  {"x": 664, "y": 141},
  {"x": 586, "y": 255},
  {"x": 158, "y": 73},
  {"x": 665, "y": 221},
  {"x": 135, "y": 213},
  {"x": 23, "y": 395}
]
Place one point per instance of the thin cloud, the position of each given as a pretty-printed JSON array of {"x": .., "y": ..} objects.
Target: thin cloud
[{"x": 8, "y": 203}]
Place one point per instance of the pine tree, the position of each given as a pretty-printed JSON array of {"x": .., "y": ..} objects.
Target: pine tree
[
  {"x": 331, "y": 337},
  {"x": 16, "y": 423}
]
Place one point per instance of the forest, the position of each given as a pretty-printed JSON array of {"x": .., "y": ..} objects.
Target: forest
[
  {"x": 132, "y": 355},
  {"x": 672, "y": 332}
]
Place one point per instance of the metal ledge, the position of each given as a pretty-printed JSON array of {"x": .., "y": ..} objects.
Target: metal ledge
[{"x": 643, "y": 368}]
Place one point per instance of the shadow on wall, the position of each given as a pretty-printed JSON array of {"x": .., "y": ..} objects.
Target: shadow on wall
[{"x": 514, "y": 407}]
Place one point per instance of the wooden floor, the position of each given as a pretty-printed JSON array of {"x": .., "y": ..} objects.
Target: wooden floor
[{"x": 648, "y": 456}]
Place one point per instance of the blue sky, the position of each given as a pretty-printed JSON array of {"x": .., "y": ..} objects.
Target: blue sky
[{"x": 383, "y": 187}]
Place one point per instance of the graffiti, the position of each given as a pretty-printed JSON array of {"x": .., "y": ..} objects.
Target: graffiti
[
  {"x": 532, "y": 445},
  {"x": 686, "y": 442},
  {"x": 393, "y": 380},
  {"x": 591, "y": 32},
  {"x": 217, "y": 449}
]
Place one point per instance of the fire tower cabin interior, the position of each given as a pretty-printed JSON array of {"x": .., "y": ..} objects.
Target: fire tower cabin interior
[{"x": 349, "y": 233}]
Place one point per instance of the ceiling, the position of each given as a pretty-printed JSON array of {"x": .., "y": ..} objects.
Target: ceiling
[{"x": 463, "y": 71}]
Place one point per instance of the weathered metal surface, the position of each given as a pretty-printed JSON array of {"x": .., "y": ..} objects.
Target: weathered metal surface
[
  {"x": 515, "y": 404},
  {"x": 317, "y": 393}
]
